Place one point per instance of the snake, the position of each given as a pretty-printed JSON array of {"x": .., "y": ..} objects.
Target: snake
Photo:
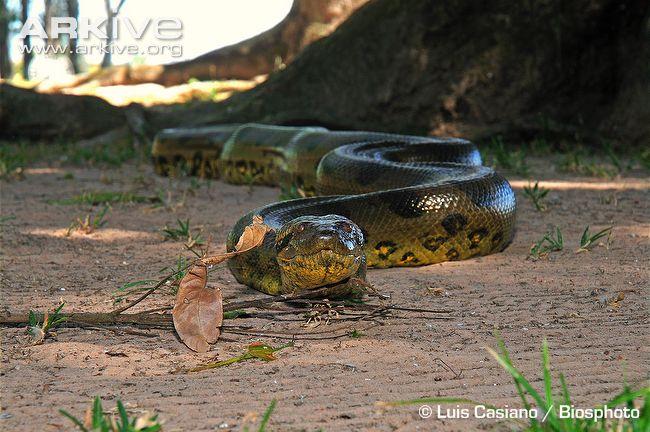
[{"x": 357, "y": 199}]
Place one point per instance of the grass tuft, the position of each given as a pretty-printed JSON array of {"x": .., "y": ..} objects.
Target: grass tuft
[
  {"x": 40, "y": 328},
  {"x": 536, "y": 194},
  {"x": 548, "y": 406},
  {"x": 587, "y": 241},
  {"x": 183, "y": 232},
  {"x": 89, "y": 224},
  {"x": 507, "y": 158},
  {"x": 547, "y": 244},
  {"x": 97, "y": 198},
  {"x": 96, "y": 420}
]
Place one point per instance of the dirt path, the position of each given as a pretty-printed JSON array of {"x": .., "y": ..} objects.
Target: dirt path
[{"x": 330, "y": 384}]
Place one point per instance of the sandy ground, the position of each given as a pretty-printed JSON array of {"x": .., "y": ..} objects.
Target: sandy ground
[{"x": 567, "y": 298}]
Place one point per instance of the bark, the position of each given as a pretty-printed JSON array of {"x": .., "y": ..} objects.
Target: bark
[
  {"x": 463, "y": 68},
  {"x": 27, "y": 114},
  {"x": 5, "y": 62}
]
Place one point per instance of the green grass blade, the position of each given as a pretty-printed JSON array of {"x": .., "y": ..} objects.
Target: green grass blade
[
  {"x": 517, "y": 376},
  {"x": 74, "y": 420},
  {"x": 98, "y": 413},
  {"x": 123, "y": 415},
  {"x": 566, "y": 398},
  {"x": 585, "y": 237},
  {"x": 520, "y": 390},
  {"x": 546, "y": 369},
  {"x": 601, "y": 234},
  {"x": 33, "y": 321},
  {"x": 137, "y": 283},
  {"x": 267, "y": 416}
]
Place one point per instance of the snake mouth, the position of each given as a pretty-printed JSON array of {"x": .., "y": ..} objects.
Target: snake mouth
[
  {"x": 320, "y": 254},
  {"x": 325, "y": 267}
]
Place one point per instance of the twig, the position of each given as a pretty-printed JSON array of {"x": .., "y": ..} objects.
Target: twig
[
  {"x": 97, "y": 319},
  {"x": 449, "y": 368},
  {"x": 150, "y": 290},
  {"x": 299, "y": 336}
]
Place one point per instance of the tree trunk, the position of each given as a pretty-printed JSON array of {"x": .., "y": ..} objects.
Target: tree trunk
[
  {"x": 27, "y": 114},
  {"x": 72, "y": 7},
  {"x": 5, "y": 62},
  {"x": 111, "y": 14},
  {"x": 27, "y": 41},
  {"x": 463, "y": 68}
]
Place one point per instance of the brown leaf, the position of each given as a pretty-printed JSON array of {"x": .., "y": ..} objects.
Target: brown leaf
[
  {"x": 252, "y": 237},
  {"x": 198, "y": 313}
]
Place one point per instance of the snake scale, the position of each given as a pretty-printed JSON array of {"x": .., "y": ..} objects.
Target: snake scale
[{"x": 368, "y": 199}]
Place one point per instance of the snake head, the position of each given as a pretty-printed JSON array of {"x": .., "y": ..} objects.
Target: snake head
[{"x": 314, "y": 251}]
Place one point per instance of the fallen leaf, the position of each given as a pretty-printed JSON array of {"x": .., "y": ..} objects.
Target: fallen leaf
[
  {"x": 198, "y": 313},
  {"x": 252, "y": 237}
]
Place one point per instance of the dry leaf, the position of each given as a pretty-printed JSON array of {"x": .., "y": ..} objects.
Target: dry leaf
[
  {"x": 198, "y": 313},
  {"x": 252, "y": 237}
]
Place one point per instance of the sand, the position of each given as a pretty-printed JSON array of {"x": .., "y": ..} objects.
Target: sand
[{"x": 569, "y": 299}]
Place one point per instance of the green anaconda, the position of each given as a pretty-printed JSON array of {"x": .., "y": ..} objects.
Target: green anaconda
[{"x": 370, "y": 199}]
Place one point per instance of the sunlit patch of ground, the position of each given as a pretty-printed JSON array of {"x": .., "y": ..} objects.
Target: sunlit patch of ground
[
  {"x": 593, "y": 184},
  {"x": 156, "y": 94},
  {"x": 100, "y": 235},
  {"x": 147, "y": 94}
]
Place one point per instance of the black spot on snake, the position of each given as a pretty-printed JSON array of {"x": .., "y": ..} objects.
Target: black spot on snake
[
  {"x": 454, "y": 223},
  {"x": 409, "y": 257},
  {"x": 496, "y": 238},
  {"x": 385, "y": 249},
  {"x": 433, "y": 243},
  {"x": 407, "y": 204},
  {"x": 452, "y": 254},
  {"x": 241, "y": 166},
  {"x": 476, "y": 236}
]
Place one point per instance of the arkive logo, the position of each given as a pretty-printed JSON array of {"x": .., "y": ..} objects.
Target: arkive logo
[{"x": 82, "y": 28}]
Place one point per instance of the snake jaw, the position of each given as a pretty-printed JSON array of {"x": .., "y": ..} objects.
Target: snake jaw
[{"x": 316, "y": 251}]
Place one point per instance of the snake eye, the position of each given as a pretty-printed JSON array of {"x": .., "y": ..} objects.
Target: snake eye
[
  {"x": 283, "y": 243},
  {"x": 300, "y": 227}
]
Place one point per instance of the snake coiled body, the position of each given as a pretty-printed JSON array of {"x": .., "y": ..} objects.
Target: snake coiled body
[{"x": 398, "y": 200}]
